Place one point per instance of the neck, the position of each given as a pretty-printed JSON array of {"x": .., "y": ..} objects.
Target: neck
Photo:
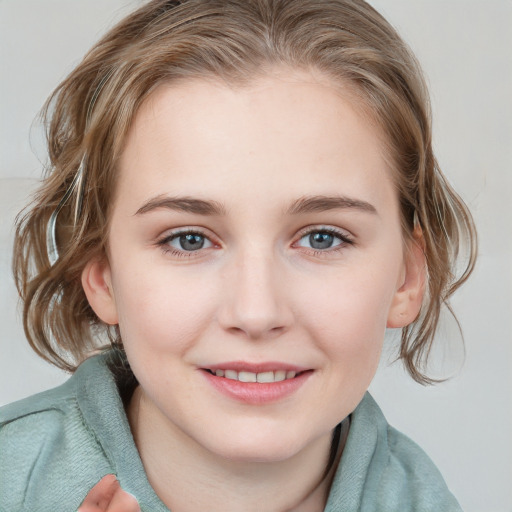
[{"x": 187, "y": 477}]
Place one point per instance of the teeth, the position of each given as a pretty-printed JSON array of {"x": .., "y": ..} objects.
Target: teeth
[
  {"x": 263, "y": 377},
  {"x": 246, "y": 377},
  {"x": 279, "y": 375}
]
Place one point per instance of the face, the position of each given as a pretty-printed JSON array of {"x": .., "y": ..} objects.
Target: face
[{"x": 255, "y": 236}]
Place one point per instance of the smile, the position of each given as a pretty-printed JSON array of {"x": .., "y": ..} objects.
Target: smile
[
  {"x": 256, "y": 384},
  {"x": 262, "y": 377}
]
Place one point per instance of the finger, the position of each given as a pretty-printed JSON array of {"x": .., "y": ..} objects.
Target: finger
[
  {"x": 100, "y": 495},
  {"x": 123, "y": 501}
]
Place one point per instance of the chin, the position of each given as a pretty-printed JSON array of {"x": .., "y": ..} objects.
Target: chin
[
  {"x": 251, "y": 446},
  {"x": 248, "y": 455}
]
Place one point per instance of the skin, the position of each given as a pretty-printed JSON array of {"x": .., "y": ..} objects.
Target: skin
[
  {"x": 258, "y": 290},
  {"x": 107, "y": 496}
]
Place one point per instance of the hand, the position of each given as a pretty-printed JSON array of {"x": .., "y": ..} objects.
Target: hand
[{"x": 107, "y": 496}]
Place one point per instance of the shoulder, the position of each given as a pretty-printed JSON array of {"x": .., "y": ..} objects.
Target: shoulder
[
  {"x": 382, "y": 470},
  {"x": 415, "y": 479},
  {"x": 55, "y": 399},
  {"x": 34, "y": 421},
  {"x": 45, "y": 450}
]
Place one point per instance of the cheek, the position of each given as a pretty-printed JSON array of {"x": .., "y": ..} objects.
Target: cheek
[
  {"x": 162, "y": 310},
  {"x": 347, "y": 317}
]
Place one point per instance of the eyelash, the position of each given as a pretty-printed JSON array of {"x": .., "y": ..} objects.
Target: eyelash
[
  {"x": 345, "y": 240},
  {"x": 164, "y": 243}
]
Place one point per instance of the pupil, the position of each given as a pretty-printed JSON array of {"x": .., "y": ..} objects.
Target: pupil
[
  {"x": 191, "y": 242},
  {"x": 321, "y": 240}
]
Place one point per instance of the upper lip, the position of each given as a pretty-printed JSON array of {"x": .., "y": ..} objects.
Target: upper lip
[{"x": 267, "y": 366}]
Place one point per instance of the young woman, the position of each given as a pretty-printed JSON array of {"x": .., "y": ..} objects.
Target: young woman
[{"x": 243, "y": 197}]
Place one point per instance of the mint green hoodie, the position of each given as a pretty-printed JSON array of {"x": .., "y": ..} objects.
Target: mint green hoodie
[{"x": 56, "y": 445}]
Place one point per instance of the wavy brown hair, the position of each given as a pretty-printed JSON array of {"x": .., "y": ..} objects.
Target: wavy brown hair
[{"x": 91, "y": 111}]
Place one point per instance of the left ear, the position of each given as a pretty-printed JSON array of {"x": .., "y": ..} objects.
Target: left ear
[{"x": 408, "y": 297}]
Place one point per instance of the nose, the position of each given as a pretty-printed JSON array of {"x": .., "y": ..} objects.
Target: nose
[{"x": 254, "y": 298}]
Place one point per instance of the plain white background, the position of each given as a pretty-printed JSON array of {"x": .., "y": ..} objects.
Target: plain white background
[{"x": 465, "y": 47}]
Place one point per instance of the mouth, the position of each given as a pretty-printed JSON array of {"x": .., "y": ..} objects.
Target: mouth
[
  {"x": 266, "y": 377},
  {"x": 257, "y": 383}
]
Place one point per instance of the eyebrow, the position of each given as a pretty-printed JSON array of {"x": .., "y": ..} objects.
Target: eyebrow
[
  {"x": 311, "y": 204},
  {"x": 184, "y": 204},
  {"x": 305, "y": 204}
]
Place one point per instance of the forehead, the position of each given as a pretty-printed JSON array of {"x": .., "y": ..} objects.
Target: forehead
[{"x": 287, "y": 131}]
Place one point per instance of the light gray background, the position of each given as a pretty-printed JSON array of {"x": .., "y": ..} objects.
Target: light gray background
[{"x": 465, "y": 47}]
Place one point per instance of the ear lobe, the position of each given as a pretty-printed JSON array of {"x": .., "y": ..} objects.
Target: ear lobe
[
  {"x": 408, "y": 298},
  {"x": 97, "y": 285}
]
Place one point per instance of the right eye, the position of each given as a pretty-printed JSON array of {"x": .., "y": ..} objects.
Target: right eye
[{"x": 184, "y": 242}]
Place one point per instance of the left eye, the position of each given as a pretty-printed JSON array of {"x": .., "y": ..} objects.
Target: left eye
[
  {"x": 188, "y": 242},
  {"x": 319, "y": 240}
]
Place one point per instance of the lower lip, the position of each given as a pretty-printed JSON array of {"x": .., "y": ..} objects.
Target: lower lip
[{"x": 255, "y": 393}]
